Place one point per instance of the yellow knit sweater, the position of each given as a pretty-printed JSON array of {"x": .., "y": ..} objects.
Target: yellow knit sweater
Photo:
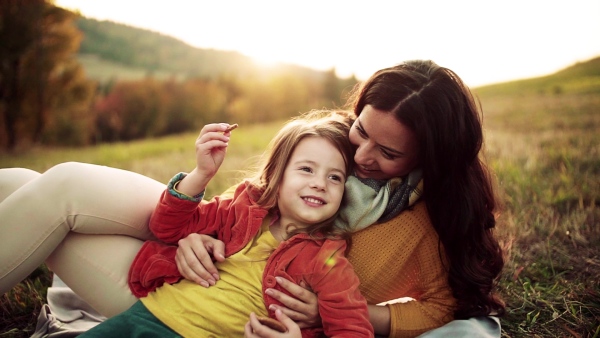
[{"x": 403, "y": 258}]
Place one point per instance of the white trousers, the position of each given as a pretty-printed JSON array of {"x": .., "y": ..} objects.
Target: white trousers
[{"x": 87, "y": 222}]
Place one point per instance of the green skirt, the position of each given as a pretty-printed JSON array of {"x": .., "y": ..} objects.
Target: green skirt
[{"x": 137, "y": 321}]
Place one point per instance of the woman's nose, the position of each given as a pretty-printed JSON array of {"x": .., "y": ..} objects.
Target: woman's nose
[{"x": 363, "y": 154}]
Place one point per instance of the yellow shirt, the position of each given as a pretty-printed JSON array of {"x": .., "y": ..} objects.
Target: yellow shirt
[{"x": 221, "y": 310}]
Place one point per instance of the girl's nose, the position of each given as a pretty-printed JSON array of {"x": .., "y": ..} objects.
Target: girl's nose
[{"x": 318, "y": 182}]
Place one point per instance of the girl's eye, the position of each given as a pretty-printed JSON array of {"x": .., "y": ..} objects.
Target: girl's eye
[
  {"x": 336, "y": 178},
  {"x": 306, "y": 169}
]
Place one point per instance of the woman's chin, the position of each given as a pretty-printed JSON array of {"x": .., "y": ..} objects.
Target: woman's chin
[{"x": 360, "y": 173}]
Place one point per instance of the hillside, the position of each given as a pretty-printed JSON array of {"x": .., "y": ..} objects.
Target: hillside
[
  {"x": 580, "y": 78},
  {"x": 116, "y": 50}
]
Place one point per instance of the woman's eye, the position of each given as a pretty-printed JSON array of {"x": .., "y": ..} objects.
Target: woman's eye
[
  {"x": 361, "y": 132},
  {"x": 388, "y": 155}
]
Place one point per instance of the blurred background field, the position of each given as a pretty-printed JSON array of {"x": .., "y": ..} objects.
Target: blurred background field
[
  {"x": 544, "y": 149},
  {"x": 159, "y": 158},
  {"x": 143, "y": 98}
]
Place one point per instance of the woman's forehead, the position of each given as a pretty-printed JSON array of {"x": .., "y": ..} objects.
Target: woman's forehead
[{"x": 383, "y": 128}]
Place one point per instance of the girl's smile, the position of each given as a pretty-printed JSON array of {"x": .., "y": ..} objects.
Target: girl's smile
[{"x": 313, "y": 183}]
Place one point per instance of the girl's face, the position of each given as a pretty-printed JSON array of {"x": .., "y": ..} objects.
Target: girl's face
[
  {"x": 313, "y": 183},
  {"x": 385, "y": 148}
]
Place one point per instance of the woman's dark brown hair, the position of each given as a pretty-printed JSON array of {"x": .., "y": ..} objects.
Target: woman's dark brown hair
[{"x": 458, "y": 191}]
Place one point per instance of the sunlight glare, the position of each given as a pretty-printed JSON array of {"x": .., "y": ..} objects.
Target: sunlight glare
[{"x": 357, "y": 39}]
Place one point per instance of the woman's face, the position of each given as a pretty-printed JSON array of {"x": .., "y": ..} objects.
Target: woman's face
[{"x": 385, "y": 148}]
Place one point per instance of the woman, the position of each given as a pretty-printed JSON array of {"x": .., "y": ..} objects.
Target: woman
[
  {"x": 414, "y": 117},
  {"x": 442, "y": 252}
]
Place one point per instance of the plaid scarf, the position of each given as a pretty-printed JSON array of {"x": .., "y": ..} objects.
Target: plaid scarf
[{"x": 369, "y": 201}]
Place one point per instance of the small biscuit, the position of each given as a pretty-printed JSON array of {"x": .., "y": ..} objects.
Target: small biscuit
[
  {"x": 272, "y": 323},
  {"x": 231, "y": 127}
]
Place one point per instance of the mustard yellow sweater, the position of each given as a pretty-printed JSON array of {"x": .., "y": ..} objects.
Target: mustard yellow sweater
[{"x": 401, "y": 258}]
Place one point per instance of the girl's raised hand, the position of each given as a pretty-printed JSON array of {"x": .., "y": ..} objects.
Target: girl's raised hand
[{"x": 211, "y": 147}]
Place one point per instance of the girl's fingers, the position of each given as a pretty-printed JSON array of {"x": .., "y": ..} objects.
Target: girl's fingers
[
  {"x": 224, "y": 129},
  {"x": 254, "y": 328},
  {"x": 292, "y": 328}
]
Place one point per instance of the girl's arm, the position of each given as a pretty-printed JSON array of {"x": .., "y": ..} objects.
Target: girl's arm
[
  {"x": 211, "y": 147},
  {"x": 177, "y": 214}
]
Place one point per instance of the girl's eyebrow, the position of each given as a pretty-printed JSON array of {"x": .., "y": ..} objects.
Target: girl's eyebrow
[
  {"x": 391, "y": 150},
  {"x": 313, "y": 163}
]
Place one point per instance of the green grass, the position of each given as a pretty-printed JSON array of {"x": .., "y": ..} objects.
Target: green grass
[
  {"x": 159, "y": 159},
  {"x": 544, "y": 149},
  {"x": 104, "y": 71}
]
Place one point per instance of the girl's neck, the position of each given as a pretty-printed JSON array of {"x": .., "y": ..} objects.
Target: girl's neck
[{"x": 278, "y": 231}]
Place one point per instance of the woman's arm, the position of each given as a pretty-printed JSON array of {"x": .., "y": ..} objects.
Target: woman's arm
[
  {"x": 195, "y": 256},
  {"x": 380, "y": 319},
  {"x": 302, "y": 307}
]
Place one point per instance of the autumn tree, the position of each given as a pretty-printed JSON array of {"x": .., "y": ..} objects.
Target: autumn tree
[
  {"x": 18, "y": 32},
  {"x": 40, "y": 78}
]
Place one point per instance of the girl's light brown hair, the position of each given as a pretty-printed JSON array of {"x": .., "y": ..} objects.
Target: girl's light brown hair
[{"x": 333, "y": 126}]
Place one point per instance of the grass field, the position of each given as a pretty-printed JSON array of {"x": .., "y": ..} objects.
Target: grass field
[{"x": 544, "y": 149}]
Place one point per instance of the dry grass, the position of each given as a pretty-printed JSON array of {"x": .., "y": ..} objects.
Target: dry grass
[
  {"x": 544, "y": 150},
  {"x": 545, "y": 153}
]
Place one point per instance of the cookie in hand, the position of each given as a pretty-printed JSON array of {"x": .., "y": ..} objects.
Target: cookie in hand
[{"x": 272, "y": 323}]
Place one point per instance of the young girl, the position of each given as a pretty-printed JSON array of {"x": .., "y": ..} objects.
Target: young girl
[{"x": 277, "y": 225}]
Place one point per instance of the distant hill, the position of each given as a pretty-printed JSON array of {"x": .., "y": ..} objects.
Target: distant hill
[
  {"x": 113, "y": 50},
  {"x": 581, "y": 78}
]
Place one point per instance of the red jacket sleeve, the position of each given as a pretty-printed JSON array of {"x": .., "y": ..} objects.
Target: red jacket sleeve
[
  {"x": 231, "y": 220},
  {"x": 342, "y": 308},
  {"x": 175, "y": 218},
  {"x": 172, "y": 219},
  {"x": 153, "y": 266}
]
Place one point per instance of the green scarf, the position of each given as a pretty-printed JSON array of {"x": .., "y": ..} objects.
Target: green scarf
[{"x": 369, "y": 201}]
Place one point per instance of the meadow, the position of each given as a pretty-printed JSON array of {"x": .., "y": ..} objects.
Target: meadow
[{"x": 543, "y": 147}]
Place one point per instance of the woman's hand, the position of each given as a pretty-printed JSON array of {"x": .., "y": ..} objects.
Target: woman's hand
[
  {"x": 254, "y": 329},
  {"x": 302, "y": 308},
  {"x": 195, "y": 256}
]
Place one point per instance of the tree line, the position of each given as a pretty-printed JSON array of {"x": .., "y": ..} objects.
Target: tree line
[{"x": 46, "y": 97}]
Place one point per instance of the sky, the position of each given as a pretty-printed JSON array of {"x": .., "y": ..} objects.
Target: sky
[{"x": 484, "y": 42}]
